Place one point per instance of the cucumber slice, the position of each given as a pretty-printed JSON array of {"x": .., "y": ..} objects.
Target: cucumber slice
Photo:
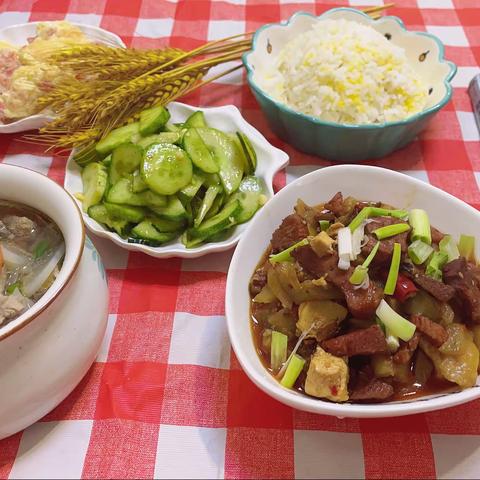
[
  {"x": 234, "y": 138},
  {"x": 216, "y": 205},
  {"x": 165, "y": 225},
  {"x": 116, "y": 137},
  {"x": 190, "y": 242},
  {"x": 147, "y": 231},
  {"x": 107, "y": 161},
  {"x": 172, "y": 127},
  {"x": 227, "y": 157},
  {"x": 99, "y": 214},
  {"x": 121, "y": 193},
  {"x": 188, "y": 192},
  {"x": 174, "y": 210},
  {"x": 138, "y": 185},
  {"x": 219, "y": 222},
  {"x": 95, "y": 179},
  {"x": 251, "y": 197},
  {"x": 207, "y": 202},
  {"x": 126, "y": 158},
  {"x": 249, "y": 151},
  {"x": 153, "y": 119},
  {"x": 166, "y": 168},
  {"x": 125, "y": 212},
  {"x": 162, "y": 137},
  {"x": 153, "y": 199},
  {"x": 196, "y": 119},
  {"x": 198, "y": 151}
]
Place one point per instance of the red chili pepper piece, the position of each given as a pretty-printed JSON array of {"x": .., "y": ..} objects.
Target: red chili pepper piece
[{"x": 404, "y": 288}]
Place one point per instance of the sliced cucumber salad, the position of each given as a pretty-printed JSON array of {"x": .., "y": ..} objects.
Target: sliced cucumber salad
[{"x": 160, "y": 181}]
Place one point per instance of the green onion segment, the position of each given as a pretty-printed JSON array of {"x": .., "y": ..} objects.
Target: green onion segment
[
  {"x": 360, "y": 272},
  {"x": 391, "y": 230},
  {"x": 420, "y": 226},
  {"x": 295, "y": 367},
  {"x": 447, "y": 245},
  {"x": 419, "y": 251},
  {"x": 394, "y": 268},
  {"x": 324, "y": 224},
  {"x": 368, "y": 212},
  {"x": 466, "y": 247},
  {"x": 394, "y": 323},
  {"x": 284, "y": 255},
  {"x": 278, "y": 350},
  {"x": 435, "y": 265}
]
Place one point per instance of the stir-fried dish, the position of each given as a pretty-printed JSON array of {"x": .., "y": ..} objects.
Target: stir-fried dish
[
  {"x": 358, "y": 301},
  {"x": 31, "y": 254}
]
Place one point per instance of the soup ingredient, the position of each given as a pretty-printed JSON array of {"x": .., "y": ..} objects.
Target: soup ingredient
[
  {"x": 419, "y": 251},
  {"x": 27, "y": 72},
  {"x": 391, "y": 283},
  {"x": 345, "y": 72},
  {"x": 294, "y": 368},
  {"x": 466, "y": 247},
  {"x": 420, "y": 225},
  {"x": 154, "y": 192},
  {"x": 31, "y": 254}
]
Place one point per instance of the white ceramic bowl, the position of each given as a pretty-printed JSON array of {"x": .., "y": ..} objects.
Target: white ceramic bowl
[
  {"x": 369, "y": 183},
  {"x": 45, "y": 352},
  {"x": 18, "y": 35},
  {"x": 227, "y": 118}
]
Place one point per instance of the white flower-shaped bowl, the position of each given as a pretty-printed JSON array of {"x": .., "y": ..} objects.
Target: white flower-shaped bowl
[
  {"x": 18, "y": 36},
  {"x": 228, "y": 118},
  {"x": 345, "y": 142},
  {"x": 446, "y": 212}
]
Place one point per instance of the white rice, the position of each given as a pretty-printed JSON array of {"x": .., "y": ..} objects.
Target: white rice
[{"x": 346, "y": 72}]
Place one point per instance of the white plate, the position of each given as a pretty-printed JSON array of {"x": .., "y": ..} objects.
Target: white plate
[
  {"x": 17, "y": 35},
  {"x": 227, "y": 118},
  {"x": 446, "y": 212}
]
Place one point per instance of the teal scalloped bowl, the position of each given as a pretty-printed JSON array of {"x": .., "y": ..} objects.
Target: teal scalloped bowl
[{"x": 343, "y": 142}]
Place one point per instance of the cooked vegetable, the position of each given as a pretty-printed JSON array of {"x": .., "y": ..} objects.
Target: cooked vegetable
[
  {"x": 447, "y": 245},
  {"x": 419, "y": 251},
  {"x": 466, "y": 247},
  {"x": 278, "y": 350},
  {"x": 324, "y": 224},
  {"x": 94, "y": 178},
  {"x": 294, "y": 368},
  {"x": 395, "y": 323},
  {"x": 152, "y": 119},
  {"x": 435, "y": 265},
  {"x": 368, "y": 212},
  {"x": 391, "y": 230},
  {"x": 404, "y": 288},
  {"x": 420, "y": 226},
  {"x": 344, "y": 239},
  {"x": 393, "y": 272},
  {"x": 285, "y": 256}
]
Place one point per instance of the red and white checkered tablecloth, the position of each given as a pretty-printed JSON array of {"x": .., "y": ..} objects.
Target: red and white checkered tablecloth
[{"x": 166, "y": 397}]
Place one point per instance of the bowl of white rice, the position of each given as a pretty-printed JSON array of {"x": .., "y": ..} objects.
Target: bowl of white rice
[{"x": 345, "y": 87}]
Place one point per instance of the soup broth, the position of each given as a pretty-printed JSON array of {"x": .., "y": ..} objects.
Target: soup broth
[{"x": 32, "y": 249}]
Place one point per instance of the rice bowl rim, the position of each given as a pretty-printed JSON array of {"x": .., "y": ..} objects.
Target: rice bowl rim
[{"x": 367, "y": 126}]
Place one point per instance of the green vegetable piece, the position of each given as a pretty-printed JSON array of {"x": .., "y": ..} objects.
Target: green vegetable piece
[
  {"x": 138, "y": 185},
  {"x": 419, "y": 251},
  {"x": 126, "y": 158},
  {"x": 116, "y": 137},
  {"x": 466, "y": 247},
  {"x": 99, "y": 214},
  {"x": 420, "y": 226},
  {"x": 435, "y": 265},
  {"x": 251, "y": 196},
  {"x": 125, "y": 212},
  {"x": 94, "y": 178},
  {"x": 12, "y": 287},
  {"x": 284, "y": 255},
  {"x": 166, "y": 169},
  {"x": 447, "y": 245},
  {"x": 278, "y": 350},
  {"x": 147, "y": 231},
  {"x": 162, "y": 137},
  {"x": 394, "y": 269},
  {"x": 121, "y": 193},
  {"x": 368, "y": 212},
  {"x": 294, "y": 368},
  {"x": 207, "y": 202},
  {"x": 165, "y": 225},
  {"x": 187, "y": 193},
  {"x": 358, "y": 275},
  {"x": 153, "y": 119},
  {"x": 391, "y": 230},
  {"x": 371, "y": 255},
  {"x": 249, "y": 151},
  {"x": 174, "y": 210},
  {"x": 395, "y": 323},
  {"x": 196, "y": 119},
  {"x": 324, "y": 224},
  {"x": 198, "y": 151},
  {"x": 40, "y": 248}
]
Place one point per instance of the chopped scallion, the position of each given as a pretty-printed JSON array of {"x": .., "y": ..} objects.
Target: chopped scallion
[
  {"x": 278, "y": 350},
  {"x": 371, "y": 255},
  {"x": 295, "y": 367},
  {"x": 435, "y": 265},
  {"x": 466, "y": 247},
  {"x": 360, "y": 218},
  {"x": 395, "y": 323},
  {"x": 447, "y": 245},
  {"x": 392, "y": 341},
  {"x": 391, "y": 230},
  {"x": 324, "y": 224},
  {"x": 284, "y": 255},
  {"x": 394, "y": 268},
  {"x": 345, "y": 248},
  {"x": 420, "y": 226},
  {"x": 358, "y": 275},
  {"x": 11, "y": 288},
  {"x": 419, "y": 251},
  {"x": 368, "y": 212},
  {"x": 40, "y": 248}
]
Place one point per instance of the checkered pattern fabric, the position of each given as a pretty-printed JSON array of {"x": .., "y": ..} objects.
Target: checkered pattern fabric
[{"x": 166, "y": 397}]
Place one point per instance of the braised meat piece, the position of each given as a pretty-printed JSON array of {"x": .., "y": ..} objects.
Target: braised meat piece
[
  {"x": 437, "y": 235},
  {"x": 436, "y": 288},
  {"x": 435, "y": 332},
  {"x": 312, "y": 263},
  {"x": 258, "y": 281},
  {"x": 385, "y": 250},
  {"x": 464, "y": 277},
  {"x": 362, "y": 303},
  {"x": 291, "y": 230},
  {"x": 374, "y": 390},
  {"x": 335, "y": 204},
  {"x": 360, "y": 342},
  {"x": 405, "y": 353}
]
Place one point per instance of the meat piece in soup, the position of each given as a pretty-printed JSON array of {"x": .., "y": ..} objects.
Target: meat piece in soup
[{"x": 31, "y": 254}]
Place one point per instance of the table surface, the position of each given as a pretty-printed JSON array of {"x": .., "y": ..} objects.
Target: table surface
[{"x": 166, "y": 397}]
